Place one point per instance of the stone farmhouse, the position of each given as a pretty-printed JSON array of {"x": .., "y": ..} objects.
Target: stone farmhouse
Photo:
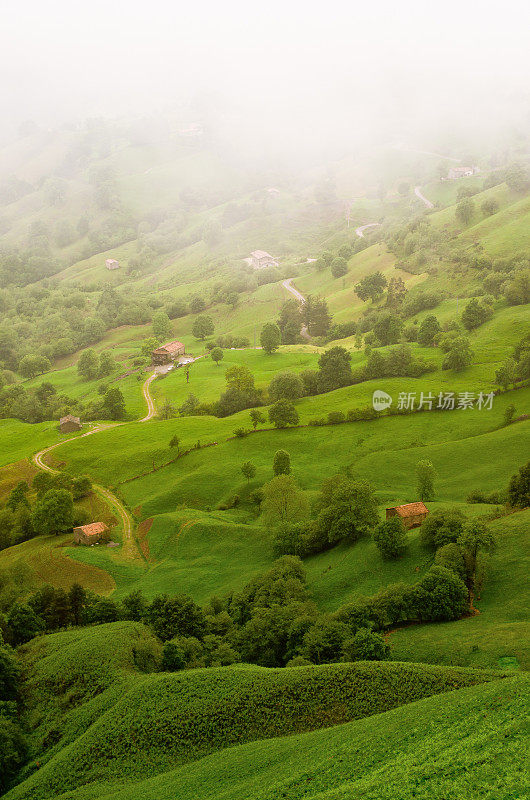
[
  {"x": 111, "y": 263},
  {"x": 411, "y": 514},
  {"x": 259, "y": 259},
  {"x": 167, "y": 353},
  {"x": 90, "y": 534},
  {"x": 460, "y": 172},
  {"x": 69, "y": 424}
]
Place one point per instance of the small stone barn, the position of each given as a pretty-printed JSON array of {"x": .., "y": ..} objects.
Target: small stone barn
[
  {"x": 69, "y": 424},
  {"x": 411, "y": 514},
  {"x": 90, "y": 534},
  {"x": 167, "y": 353},
  {"x": 259, "y": 259},
  {"x": 111, "y": 263}
]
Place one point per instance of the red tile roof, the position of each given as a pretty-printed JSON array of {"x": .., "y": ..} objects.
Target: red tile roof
[
  {"x": 170, "y": 347},
  {"x": 94, "y": 529},
  {"x": 412, "y": 509},
  {"x": 70, "y": 418}
]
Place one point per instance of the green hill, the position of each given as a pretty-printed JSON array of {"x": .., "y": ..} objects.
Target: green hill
[{"x": 95, "y": 718}]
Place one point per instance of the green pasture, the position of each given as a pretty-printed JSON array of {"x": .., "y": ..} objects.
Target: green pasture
[{"x": 499, "y": 635}]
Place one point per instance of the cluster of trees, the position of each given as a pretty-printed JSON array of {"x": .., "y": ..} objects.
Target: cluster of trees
[
  {"x": 91, "y": 365},
  {"x": 44, "y": 403},
  {"x": 47, "y": 508},
  {"x": 346, "y": 510}
]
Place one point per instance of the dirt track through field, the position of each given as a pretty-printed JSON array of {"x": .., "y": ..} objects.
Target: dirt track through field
[{"x": 130, "y": 548}]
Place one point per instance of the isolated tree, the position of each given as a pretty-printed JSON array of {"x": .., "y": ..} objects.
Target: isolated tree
[
  {"x": 465, "y": 210},
  {"x": 270, "y": 337},
  {"x": 168, "y": 410},
  {"x": 396, "y": 292},
  {"x": 476, "y": 537},
  {"x": 371, "y": 287},
  {"x": 388, "y": 329},
  {"x": 334, "y": 369},
  {"x": 54, "y": 512},
  {"x": 509, "y": 413},
  {"x": 519, "y": 488},
  {"x": 282, "y": 414},
  {"x": 507, "y": 373},
  {"x": 425, "y": 474},
  {"x": 249, "y": 470},
  {"x": 281, "y": 464},
  {"x": 175, "y": 442},
  {"x": 283, "y": 502},
  {"x": 257, "y": 417},
  {"x": 442, "y": 526},
  {"x": 428, "y": 330},
  {"x": 339, "y": 267},
  {"x": 517, "y": 290},
  {"x": 197, "y": 304},
  {"x": 475, "y": 314},
  {"x": 107, "y": 363},
  {"x": 88, "y": 365},
  {"x": 390, "y": 538},
  {"x": 348, "y": 510},
  {"x": 202, "y": 326},
  {"x": 147, "y": 346},
  {"x": 286, "y": 386},
  {"x": 32, "y": 365},
  {"x": 239, "y": 377},
  {"x": 114, "y": 403},
  {"x": 315, "y": 314},
  {"x": 489, "y": 207},
  {"x": 517, "y": 177},
  {"x": 217, "y": 355},
  {"x": 459, "y": 355},
  {"x": 161, "y": 325}
]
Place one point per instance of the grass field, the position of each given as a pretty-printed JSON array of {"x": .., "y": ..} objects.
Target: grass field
[
  {"x": 163, "y": 720},
  {"x": 449, "y": 746}
]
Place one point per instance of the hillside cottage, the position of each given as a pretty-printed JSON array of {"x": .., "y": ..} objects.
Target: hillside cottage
[
  {"x": 411, "y": 514},
  {"x": 259, "y": 259},
  {"x": 167, "y": 353},
  {"x": 460, "y": 172},
  {"x": 90, "y": 534},
  {"x": 111, "y": 263},
  {"x": 69, "y": 424}
]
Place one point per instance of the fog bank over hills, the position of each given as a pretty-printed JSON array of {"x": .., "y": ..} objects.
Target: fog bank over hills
[{"x": 289, "y": 80}]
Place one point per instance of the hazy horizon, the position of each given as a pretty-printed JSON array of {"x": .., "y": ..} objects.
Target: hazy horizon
[{"x": 280, "y": 74}]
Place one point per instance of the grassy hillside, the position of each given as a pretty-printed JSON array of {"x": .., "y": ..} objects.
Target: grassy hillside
[
  {"x": 449, "y": 746},
  {"x": 168, "y": 719}
]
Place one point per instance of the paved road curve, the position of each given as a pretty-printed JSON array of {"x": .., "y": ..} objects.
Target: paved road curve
[
  {"x": 288, "y": 284},
  {"x": 417, "y": 192},
  {"x": 360, "y": 230}
]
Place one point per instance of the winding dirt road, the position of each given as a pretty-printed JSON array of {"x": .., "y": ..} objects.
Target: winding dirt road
[
  {"x": 360, "y": 230},
  {"x": 288, "y": 284},
  {"x": 151, "y": 409},
  {"x": 417, "y": 192},
  {"x": 130, "y": 548}
]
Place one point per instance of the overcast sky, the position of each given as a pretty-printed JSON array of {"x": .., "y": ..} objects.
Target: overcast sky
[{"x": 61, "y": 60}]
